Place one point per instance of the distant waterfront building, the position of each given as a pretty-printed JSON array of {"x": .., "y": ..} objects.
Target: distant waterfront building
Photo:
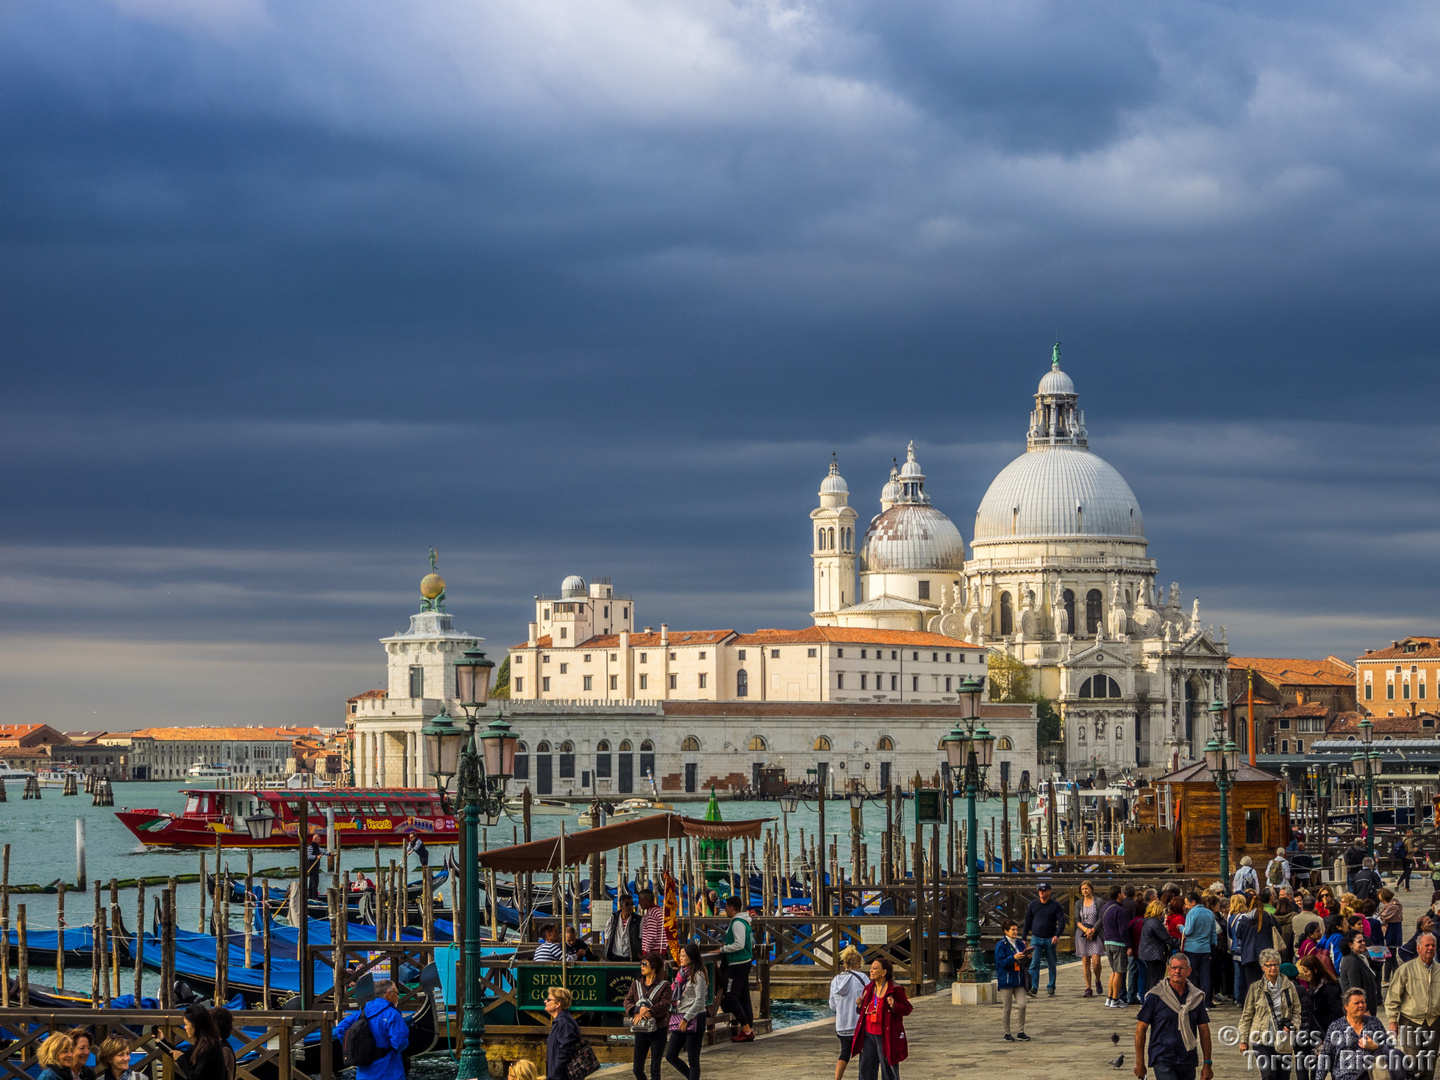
[
  {"x": 165, "y": 753},
  {"x": 1401, "y": 679},
  {"x": 1295, "y": 701}
]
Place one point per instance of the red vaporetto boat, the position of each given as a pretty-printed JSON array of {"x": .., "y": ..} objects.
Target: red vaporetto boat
[{"x": 363, "y": 817}]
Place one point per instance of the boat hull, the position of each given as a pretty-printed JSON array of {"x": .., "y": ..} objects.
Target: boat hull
[{"x": 161, "y": 830}]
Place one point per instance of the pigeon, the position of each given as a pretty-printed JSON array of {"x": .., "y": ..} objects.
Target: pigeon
[
  {"x": 1118, "y": 1063},
  {"x": 1114, "y": 1038}
]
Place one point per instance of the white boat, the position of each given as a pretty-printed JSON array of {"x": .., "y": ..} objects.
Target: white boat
[
  {"x": 628, "y": 811},
  {"x": 539, "y": 808},
  {"x": 57, "y": 777},
  {"x": 7, "y": 773},
  {"x": 208, "y": 769}
]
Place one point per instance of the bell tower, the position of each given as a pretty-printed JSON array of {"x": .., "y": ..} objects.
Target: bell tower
[{"x": 832, "y": 542}]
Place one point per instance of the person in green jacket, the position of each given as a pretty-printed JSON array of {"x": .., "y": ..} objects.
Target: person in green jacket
[{"x": 739, "y": 951}]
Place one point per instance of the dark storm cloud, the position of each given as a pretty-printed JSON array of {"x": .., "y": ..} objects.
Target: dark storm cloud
[{"x": 288, "y": 294}]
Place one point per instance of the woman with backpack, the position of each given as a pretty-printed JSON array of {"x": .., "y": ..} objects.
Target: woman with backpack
[
  {"x": 845, "y": 991},
  {"x": 647, "y": 1006},
  {"x": 880, "y": 1032}
]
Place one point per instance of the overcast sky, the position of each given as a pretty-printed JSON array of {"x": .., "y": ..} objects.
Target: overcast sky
[{"x": 290, "y": 293}]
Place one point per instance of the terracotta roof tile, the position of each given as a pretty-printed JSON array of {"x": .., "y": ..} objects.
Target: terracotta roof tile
[
  {"x": 1348, "y": 723},
  {"x": 1300, "y": 712},
  {"x": 1291, "y": 672},
  {"x": 541, "y": 643}
]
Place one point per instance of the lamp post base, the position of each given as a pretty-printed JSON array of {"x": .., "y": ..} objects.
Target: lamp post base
[{"x": 973, "y": 993}]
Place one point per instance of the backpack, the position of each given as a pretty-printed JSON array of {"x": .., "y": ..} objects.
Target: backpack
[
  {"x": 1276, "y": 873},
  {"x": 1331, "y": 944},
  {"x": 1398, "y": 851},
  {"x": 360, "y": 1048}
]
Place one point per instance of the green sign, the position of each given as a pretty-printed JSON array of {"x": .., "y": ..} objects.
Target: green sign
[
  {"x": 594, "y": 987},
  {"x": 930, "y": 805}
]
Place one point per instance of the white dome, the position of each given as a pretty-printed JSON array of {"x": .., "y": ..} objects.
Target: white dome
[
  {"x": 1057, "y": 382},
  {"x": 574, "y": 585},
  {"x": 912, "y": 536},
  {"x": 911, "y": 469},
  {"x": 834, "y": 483},
  {"x": 1058, "y": 492},
  {"x": 891, "y": 492}
]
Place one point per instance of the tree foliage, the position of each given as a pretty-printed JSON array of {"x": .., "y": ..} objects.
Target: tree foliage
[
  {"x": 501, "y": 689},
  {"x": 1010, "y": 684}
]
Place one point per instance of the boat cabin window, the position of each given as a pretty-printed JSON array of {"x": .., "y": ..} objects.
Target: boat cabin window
[{"x": 192, "y": 805}]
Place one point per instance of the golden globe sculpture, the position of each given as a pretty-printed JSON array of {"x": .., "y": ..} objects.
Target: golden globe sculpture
[{"x": 431, "y": 586}]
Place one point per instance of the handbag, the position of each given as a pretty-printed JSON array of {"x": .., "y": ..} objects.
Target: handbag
[
  {"x": 583, "y": 1063},
  {"x": 642, "y": 1001}
]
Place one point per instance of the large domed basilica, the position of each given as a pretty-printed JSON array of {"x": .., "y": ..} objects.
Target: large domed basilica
[{"x": 1058, "y": 578}]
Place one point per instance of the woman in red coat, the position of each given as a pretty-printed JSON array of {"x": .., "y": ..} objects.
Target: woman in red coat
[{"x": 880, "y": 1034}]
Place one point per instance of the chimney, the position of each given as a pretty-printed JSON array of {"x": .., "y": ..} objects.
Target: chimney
[
  {"x": 624, "y": 641},
  {"x": 664, "y": 634},
  {"x": 649, "y": 629},
  {"x": 532, "y": 638}
]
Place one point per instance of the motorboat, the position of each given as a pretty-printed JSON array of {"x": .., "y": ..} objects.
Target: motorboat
[
  {"x": 206, "y": 770},
  {"x": 627, "y": 811},
  {"x": 7, "y": 773},
  {"x": 539, "y": 808}
]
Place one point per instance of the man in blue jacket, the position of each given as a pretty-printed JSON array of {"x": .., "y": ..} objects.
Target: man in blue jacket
[
  {"x": 1044, "y": 923},
  {"x": 391, "y": 1031}
]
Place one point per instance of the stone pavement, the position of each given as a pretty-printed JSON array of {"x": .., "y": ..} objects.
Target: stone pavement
[{"x": 1071, "y": 1038}]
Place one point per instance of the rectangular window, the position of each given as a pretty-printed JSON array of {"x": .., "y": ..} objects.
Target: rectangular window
[
  {"x": 614, "y": 657},
  {"x": 774, "y": 654},
  {"x": 1254, "y": 827},
  {"x": 914, "y": 655},
  {"x": 672, "y": 656},
  {"x": 934, "y": 657},
  {"x": 522, "y": 770},
  {"x": 644, "y": 685},
  {"x": 1390, "y": 691},
  {"x": 894, "y": 655},
  {"x": 915, "y": 683},
  {"x": 614, "y": 685},
  {"x": 947, "y": 690},
  {"x": 624, "y": 614},
  {"x": 1285, "y": 725},
  {"x": 564, "y": 669},
  {"x": 643, "y": 657},
  {"x": 839, "y": 652},
  {"x": 1367, "y": 692},
  {"x": 947, "y": 658},
  {"x": 840, "y": 681},
  {"x": 1422, "y": 691},
  {"x": 924, "y": 590},
  {"x": 607, "y": 615},
  {"x": 863, "y": 654},
  {"x": 740, "y": 654},
  {"x": 602, "y": 767},
  {"x": 935, "y": 684},
  {"x": 702, "y": 656},
  {"x": 893, "y": 681},
  {"x": 564, "y": 632},
  {"x": 672, "y": 687},
  {"x": 1284, "y": 746},
  {"x": 587, "y": 658},
  {"x": 546, "y": 617},
  {"x": 545, "y": 659},
  {"x": 519, "y": 689},
  {"x": 808, "y": 652},
  {"x": 1405, "y": 691},
  {"x": 417, "y": 682},
  {"x": 588, "y": 681},
  {"x": 544, "y": 687},
  {"x": 702, "y": 680},
  {"x": 567, "y": 766},
  {"x": 863, "y": 681}
]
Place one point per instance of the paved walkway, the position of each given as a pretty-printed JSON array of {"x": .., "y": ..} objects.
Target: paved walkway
[{"x": 1071, "y": 1038}]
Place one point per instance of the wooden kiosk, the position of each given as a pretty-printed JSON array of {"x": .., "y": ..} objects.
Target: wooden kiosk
[{"x": 1187, "y": 804}]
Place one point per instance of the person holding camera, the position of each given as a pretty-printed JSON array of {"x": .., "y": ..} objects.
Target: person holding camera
[
  {"x": 1012, "y": 956},
  {"x": 1270, "y": 1018}
]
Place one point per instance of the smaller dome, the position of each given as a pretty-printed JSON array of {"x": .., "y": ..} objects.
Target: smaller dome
[
  {"x": 892, "y": 491},
  {"x": 911, "y": 469},
  {"x": 574, "y": 585},
  {"x": 834, "y": 483},
  {"x": 1057, "y": 382}
]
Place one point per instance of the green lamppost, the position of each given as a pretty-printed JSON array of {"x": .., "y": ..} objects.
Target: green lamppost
[
  {"x": 1223, "y": 758},
  {"x": 1366, "y": 765},
  {"x": 481, "y": 761},
  {"x": 971, "y": 748}
]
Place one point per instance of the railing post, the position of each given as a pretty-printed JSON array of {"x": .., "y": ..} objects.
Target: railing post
[{"x": 285, "y": 1062}]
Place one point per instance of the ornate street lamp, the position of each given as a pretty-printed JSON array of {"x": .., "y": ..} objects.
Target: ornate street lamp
[
  {"x": 479, "y": 800},
  {"x": 1222, "y": 757},
  {"x": 442, "y": 748},
  {"x": 260, "y": 824},
  {"x": 1365, "y": 765},
  {"x": 971, "y": 748}
]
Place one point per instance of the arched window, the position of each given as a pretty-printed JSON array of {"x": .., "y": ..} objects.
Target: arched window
[
  {"x": 647, "y": 747},
  {"x": 603, "y": 746},
  {"x": 822, "y": 742},
  {"x": 542, "y": 748},
  {"x": 1092, "y": 611},
  {"x": 691, "y": 744},
  {"x": 831, "y": 539},
  {"x": 1068, "y": 598},
  {"x": 625, "y": 746},
  {"x": 1007, "y": 617},
  {"x": 742, "y": 683},
  {"x": 885, "y": 743},
  {"x": 567, "y": 747},
  {"x": 758, "y": 743},
  {"x": 819, "y": 539},
  {"x": 521, "y": 748},
  {"x": 1004, "y": 743},
  {"x": 1099, "y": 686}
]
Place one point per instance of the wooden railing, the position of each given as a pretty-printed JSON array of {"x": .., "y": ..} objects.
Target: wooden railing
[{"x": 271, "y": 1041}]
